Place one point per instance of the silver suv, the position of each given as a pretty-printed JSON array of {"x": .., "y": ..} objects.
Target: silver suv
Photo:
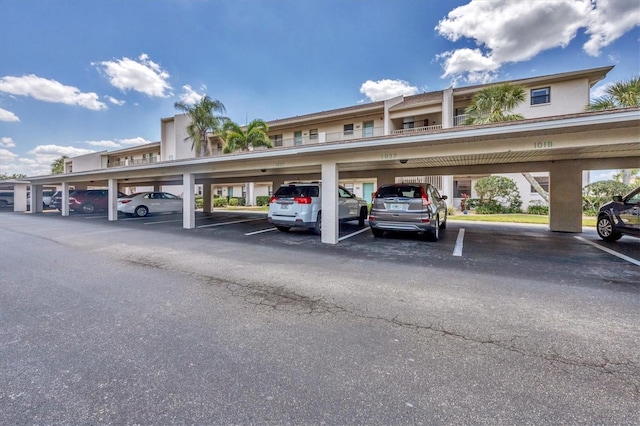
[
  {"x": 408, "y": 207},
  {"x": 299, "y": 205}
]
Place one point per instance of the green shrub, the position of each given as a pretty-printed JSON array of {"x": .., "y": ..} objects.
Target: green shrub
[
  {"x": 233, "y": 202},
  {"x": 220, "y": 202},
  {"x": 535, "y": 207},
  {"x": 262, "y": 200},
  {"x": 491, "y": 207},
  {"x": 199, "y": 201},
  {"x": 451, "y": 211}
]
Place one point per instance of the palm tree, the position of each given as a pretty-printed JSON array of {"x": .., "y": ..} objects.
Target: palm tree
[
  {"x": 203, "y": 121},
  {"x": 493, "y": 104},
  {"x": 57, "y": 167},
  {"x": 239, "y": 139},
  {"x": 621, "y": 94}
]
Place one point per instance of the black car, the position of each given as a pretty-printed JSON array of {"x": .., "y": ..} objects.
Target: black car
[{"x": 620, "y": 216}]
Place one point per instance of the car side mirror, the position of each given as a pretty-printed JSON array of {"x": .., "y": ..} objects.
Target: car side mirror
[
  {"x": 617, "y": 198},
  {"x": 444, "y": 197}
]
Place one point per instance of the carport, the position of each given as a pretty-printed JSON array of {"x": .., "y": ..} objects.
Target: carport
[{"x": 563, "y": 146}]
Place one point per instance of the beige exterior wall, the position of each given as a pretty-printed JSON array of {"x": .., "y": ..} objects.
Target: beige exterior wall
[
  {"x": 87, "y": 162},
  {"x": 566, "y": 97}
]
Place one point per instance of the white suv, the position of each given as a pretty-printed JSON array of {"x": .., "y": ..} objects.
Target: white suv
[{"x": 299, "y": 205}]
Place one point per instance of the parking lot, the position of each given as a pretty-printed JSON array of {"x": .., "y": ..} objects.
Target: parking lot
[
  {"x": 234, "y": 322},
  {"x": 517, "y": 249}
]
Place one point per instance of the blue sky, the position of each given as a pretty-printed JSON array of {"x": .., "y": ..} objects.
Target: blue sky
[{"x": 79, "y": 76}]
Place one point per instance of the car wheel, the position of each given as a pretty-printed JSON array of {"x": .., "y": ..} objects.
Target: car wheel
[
  {"x": 606, "y": 229},
  {"x": 318, "y": 228},
  {"x": 87, "y": 208},
  {"x": 377, "y": 232},
  {"x": 141, "y": 211},
  {"x": 434, "y": 235},
  {"x": 362, "y": 217},
  {"x": 283, "y": 228},
  {"x": 443, "y": 225}
]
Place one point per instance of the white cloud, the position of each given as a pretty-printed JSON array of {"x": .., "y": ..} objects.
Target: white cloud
[
  {"x": 386, "y": 89},
  {"x": 134, "y": 141},
  {"x": 142, "y": 75},
  {"x": 8, "y": 115},
  {"x": 114, "y": 100},
  {"x": 118, "y": 143},
  {"x": 508, "y": 31},
  {"x": 190, "y": 96},
  {"x": 6, "y": 155},
  {"x": 49, "y": 91},
  {"x": 105, "y": 144},
  {"x": 6, "y": 142}
]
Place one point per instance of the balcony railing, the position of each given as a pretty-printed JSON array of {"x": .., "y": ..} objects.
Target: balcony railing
[
  {"x": 137, "y": 162},
  {"x": 421, "y": 129}
]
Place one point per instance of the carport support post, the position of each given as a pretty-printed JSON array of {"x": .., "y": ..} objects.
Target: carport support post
[
  {"x": 36, "y": 198},
  {"x": 65, "y": 199},
  {"x": 207, "y": 194},
  {"x": 112, "y": 206},
  {"x": 188, "y": 201},
  {"x": 330, "y": 228},
  {"x": 565, "y": 198},
  {"x": 20, "y": 197}
]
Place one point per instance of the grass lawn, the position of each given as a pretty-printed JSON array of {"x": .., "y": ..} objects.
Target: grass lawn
[{"x": 515, "y": 218}]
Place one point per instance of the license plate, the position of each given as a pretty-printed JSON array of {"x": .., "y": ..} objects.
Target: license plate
[
  {"x": 284, "y": 206},
  {"x": 397, "y": 206}
]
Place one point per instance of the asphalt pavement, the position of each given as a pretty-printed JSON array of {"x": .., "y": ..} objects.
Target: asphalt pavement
[{"x": 143, "y": 322}]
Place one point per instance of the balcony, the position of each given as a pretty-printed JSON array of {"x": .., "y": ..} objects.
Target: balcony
[
  {"x": 421, "y": 129},
  {"x": 135, "y": 162}
]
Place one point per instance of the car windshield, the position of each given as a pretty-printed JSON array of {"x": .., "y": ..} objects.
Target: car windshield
[
  {"x": 292, "y": 191},
  {"x": 406, "y": 191}
]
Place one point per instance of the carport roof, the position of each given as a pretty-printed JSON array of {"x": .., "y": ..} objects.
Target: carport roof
[{"x": 617, "y": 134}]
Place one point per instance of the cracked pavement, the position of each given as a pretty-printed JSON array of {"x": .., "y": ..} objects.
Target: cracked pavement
[{"x": 165, "y": 327}]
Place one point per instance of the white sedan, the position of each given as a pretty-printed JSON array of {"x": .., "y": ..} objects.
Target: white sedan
[{"x": 143, "y": 203}]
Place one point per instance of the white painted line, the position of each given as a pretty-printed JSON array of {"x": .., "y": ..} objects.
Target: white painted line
[
  {"x": 608, "y": 250},
  {"x": 229, "y": 223},
  {"x": 354, "y": 234},
  {"x": 95, "y": 217},
  {"x": 163, "y": 221},
  {"x": 457, "y": 250},
  {"x": 260, "y": 232}
]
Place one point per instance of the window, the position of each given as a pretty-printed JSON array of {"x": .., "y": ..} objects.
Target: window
[
  {"x": 408, "y": 122},
  {"x": 543, "y": 181},
  {"x": 461, "y": 187},
  {"x": 348, "y": 129},
  {"x": 297, "y": 138},
  {"x": 219, "y": 147},
  {"x": 540, "y": 96},
  {"x": 313, "y": 134},
  {"x": 367, "y": 129},
  {"x": 276, "y": 140}
]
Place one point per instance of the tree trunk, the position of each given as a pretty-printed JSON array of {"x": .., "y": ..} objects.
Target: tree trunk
[{"x": 544, "y": 194}]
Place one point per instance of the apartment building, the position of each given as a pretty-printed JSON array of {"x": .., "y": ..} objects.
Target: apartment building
[{"x": 547, "y": 96}]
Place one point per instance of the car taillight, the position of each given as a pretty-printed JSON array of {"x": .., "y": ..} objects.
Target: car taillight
[
  {"x": 272, "y": 199},
  {"x": 125, "y": 201},
  {"x": 425, "y": 201},
  {"x": 302, "y": 200}
]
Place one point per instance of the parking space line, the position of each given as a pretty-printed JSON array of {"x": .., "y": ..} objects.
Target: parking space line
[
  {"x": 163, "y": 221},
  {"x": 457, "y": 250},
  {"x": 94, "y": 217},
  {"x": 229, "y": 223},
  {"x": 353, "y": 234},
  {"x": 262, "y": 231},
  {"x": 608, "y": 250}
]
